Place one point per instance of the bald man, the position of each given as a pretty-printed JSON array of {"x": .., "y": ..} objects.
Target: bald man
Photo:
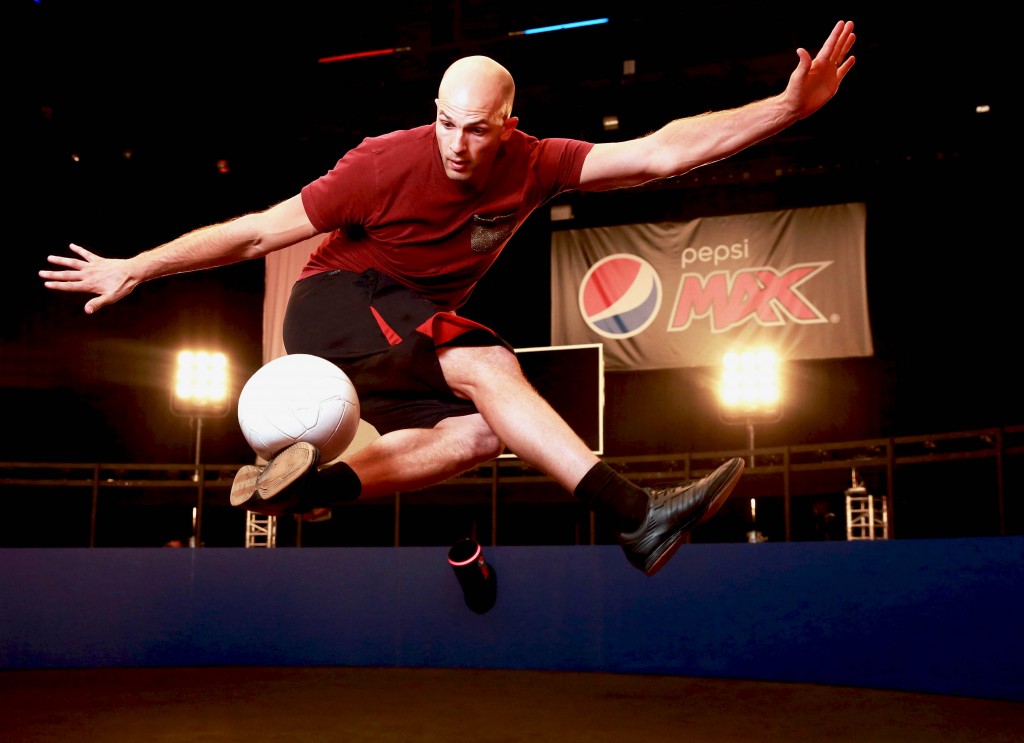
[{"x": 411, "y": 220}]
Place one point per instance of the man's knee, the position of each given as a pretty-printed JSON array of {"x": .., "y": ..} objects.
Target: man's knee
[{"x": 467, "y": 366}]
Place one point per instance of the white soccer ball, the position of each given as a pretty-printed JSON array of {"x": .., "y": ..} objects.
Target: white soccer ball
[{"x": 299, "y": 397}]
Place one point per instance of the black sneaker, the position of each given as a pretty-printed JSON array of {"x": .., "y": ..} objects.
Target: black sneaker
[
  {"x": 675, "y": 510},
  {"x": 265, "y": 489}
]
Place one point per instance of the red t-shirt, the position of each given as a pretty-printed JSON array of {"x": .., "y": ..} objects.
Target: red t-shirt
[{"x": 388, "y": 204}]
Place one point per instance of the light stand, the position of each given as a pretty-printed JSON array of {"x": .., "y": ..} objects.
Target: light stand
[
  {"x": 750, "y": 441},
  {"x": 750, "y": 394},
  {"x": 750, "y": 391},
  {"x": 197, "y": 421},
  {"x": 200, "y": 391}
]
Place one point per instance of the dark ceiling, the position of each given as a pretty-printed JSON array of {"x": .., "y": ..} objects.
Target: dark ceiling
[{"x": 173, "y": 81}]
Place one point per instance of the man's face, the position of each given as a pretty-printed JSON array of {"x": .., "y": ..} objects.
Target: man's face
[{"x": 468, "y": 140}]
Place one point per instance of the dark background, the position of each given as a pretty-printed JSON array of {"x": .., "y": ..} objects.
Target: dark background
[{"x": 182, "y": 85}]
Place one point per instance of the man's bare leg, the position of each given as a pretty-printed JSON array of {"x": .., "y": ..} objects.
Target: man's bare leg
[
  {"x": 399, "y": 461},
  {"x": 415, "y": 458},
  {"x": 512, "y": 412},
  {"x": 524, "y": 421}
]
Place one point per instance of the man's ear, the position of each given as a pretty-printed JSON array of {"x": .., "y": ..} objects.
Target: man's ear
[{"x": 510, "y": 124}]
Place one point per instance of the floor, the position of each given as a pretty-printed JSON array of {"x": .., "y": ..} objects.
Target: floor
[{"x": 353, "y": 705}]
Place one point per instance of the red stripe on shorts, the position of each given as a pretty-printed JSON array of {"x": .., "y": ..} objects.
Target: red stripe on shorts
[
  {"x": 393, "y": 338},
  {"x": 445, "y": 327}
]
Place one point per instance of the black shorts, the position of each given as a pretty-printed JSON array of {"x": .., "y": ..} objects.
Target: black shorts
[{"x": 385, "y": 338}]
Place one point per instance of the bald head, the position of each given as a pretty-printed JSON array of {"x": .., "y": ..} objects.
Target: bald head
[
  {"x": 478, "y": 85},
  {"x": 474, "y": 118}
]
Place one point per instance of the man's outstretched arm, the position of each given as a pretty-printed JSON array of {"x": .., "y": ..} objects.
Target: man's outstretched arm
[
  {"x": 250, "y": 236},
  {"x": 687, "y": 143}
]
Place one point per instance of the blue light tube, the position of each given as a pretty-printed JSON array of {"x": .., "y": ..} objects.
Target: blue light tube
[{"x": 563, "y": 26}]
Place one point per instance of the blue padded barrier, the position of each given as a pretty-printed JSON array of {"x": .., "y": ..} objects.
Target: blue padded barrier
[{"x": 937, "y": 616}]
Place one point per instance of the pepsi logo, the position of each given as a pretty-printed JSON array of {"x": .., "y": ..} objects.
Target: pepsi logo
[{"x": 620, "y": 296}]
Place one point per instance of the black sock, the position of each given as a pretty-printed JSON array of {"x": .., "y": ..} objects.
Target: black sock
[
  {"x": 608, "y": 493},
  {"x": 338, "y": 483}
]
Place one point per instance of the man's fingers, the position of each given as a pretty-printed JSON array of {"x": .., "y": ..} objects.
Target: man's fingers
[
  {"x": 72, "y": 274},
  {"x": 62, "y": 286},
  {"x": 60, "y": 260},
  {"x": 82, "y": 251},
  {"x": 838, "y": 44}
]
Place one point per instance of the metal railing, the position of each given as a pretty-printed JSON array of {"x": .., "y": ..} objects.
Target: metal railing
[{"x": 786, "y": 473}]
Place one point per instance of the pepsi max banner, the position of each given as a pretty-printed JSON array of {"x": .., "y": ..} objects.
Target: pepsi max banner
[{"x": 681, "y": 294}]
